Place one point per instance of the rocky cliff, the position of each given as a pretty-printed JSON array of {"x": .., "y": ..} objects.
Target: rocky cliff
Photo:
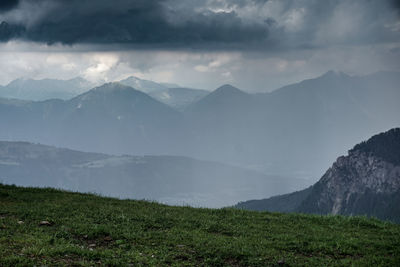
[
  {"x": 360, "y": 183},
  {"x": 365, "y": 182}
]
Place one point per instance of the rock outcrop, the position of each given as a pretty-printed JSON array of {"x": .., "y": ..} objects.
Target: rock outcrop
[
  {"x": 365, "y": 182},
  {"x": 359, "y": 183}
]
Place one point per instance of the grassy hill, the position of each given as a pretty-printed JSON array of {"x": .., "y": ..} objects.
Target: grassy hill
[{"x": 83, "y": 229}]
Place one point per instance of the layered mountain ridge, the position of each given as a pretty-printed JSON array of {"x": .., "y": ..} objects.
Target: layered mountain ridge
[
  {"x": 283, "y": 132},
  {"x": 44, "y": 89}
]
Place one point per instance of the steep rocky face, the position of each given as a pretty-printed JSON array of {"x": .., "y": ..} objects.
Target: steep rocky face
[
  {"x": 349, "y": 180},
  {"x": 361, "y": 183},
  {"x": 365, "y": 182}
]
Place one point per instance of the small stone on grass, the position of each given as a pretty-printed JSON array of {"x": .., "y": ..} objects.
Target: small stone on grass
[{"x": 45, "y": 223}]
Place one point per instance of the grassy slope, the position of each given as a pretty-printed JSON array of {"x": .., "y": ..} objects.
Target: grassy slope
[{"x": 90, "y": 230}]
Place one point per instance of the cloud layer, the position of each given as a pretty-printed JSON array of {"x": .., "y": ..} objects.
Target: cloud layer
[
  {"x": 257, "y": 45},
  {"x": 204, "y": 24},
  {"x": 148, "y": 22}
]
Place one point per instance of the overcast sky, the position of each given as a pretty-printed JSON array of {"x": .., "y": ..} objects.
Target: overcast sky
[{"x": 256, "y": 45}]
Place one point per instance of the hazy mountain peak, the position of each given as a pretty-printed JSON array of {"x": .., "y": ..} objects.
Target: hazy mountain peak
[
  {"x": 228, "y": 89},
  {"x": 132, "y": 78},
  {"x": 112, "y": 88},
  {"x": 142, "y": 85},
  {"x": 333, "y": 74},
  {"x": 226, "y": 93},
  {"x": 330, "y": 81},
  {"x": 330, "y": 73},
  {"x": 224, "y": 98}
]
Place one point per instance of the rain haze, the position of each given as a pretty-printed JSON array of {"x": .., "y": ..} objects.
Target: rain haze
[{"x": 199, "y": 102}]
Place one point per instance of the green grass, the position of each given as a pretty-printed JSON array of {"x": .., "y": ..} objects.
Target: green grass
[{"x": 89, "y": 230}]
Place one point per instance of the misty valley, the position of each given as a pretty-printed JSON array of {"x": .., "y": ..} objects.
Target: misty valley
[{"x": 172, "y": 180}]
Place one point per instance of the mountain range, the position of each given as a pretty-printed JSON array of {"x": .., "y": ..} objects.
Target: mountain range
[
  {"x": 306, "y": 124},
  {"x": 169, "y": 94},
  {"x": 45, "y": 89},
  {"x": 296, "y": 131},
  {"x": 365, "y": 182}
]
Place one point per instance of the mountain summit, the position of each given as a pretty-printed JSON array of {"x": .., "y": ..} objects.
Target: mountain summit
[
  {"x": 227, "y": 89},
  {"x": 225, "y": 97},
  {"x": 145, "y": 86},
  {"x": 116, "y": 96}
]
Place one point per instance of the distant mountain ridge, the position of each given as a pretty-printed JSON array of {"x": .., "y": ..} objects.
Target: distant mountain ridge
[
  {"x": 39, "y": 90},
  {"x": 113, "y": 118},
  {"x": 287, "y": 127},
  {"x": 225, "y": 94},
  {"x": 45, "y": 89},
  {"x": 365, "y": 182},
  {"x": 145, "y": 86},
  {"x": 169, "y": 94}
]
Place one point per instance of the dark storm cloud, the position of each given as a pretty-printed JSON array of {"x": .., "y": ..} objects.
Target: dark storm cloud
[
  {"x": 208, "y": 24},
  {"x": 143, "y": 22},
  {"x": 8, "y": 32},
  {"x": 6, "y": 5},
  {"x": 396, "y": 3}
]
